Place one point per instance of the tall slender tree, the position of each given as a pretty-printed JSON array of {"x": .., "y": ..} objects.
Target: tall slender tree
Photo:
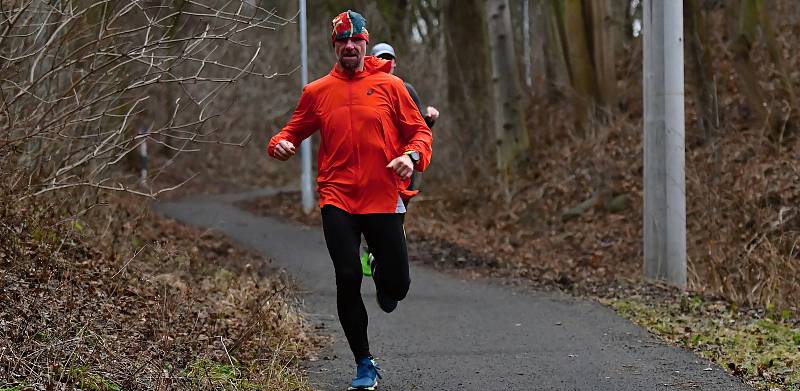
[
  {"x": 511, "y": 135},
  {"x": 750, "y": 22},
  {"x": 582, "y": 41},
  {"x": 700, "y": 61},
  {"x": 467, "y": 61}
]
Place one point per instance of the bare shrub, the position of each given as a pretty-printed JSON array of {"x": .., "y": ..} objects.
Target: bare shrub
[
  {"x": 114, "y": 298},
  {"x": 130, "y": 300},
  {"x": 86, "y": 83}
]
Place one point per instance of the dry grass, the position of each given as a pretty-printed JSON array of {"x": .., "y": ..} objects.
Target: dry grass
[
  {"x": 746, "y": 222},
  {"x": 760, "y": 347},
  {"x": 118, "y": 298}
]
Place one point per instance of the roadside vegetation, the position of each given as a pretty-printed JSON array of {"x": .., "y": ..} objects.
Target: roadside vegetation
[
  {"x": 101, "y": 100},
  {"x": 117, "y": 298},
  {"x": 763, "y": 347}
]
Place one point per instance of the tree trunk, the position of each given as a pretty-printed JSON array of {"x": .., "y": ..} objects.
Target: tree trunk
[
  {"x": 744, "y": 34},
  {"x": 752, "y": 18},
  {"x": 557, "y": 71},
  {"x": 705, "y": 84},
  {"x": 395, "y": 15},
  {"x": 603, "y": 38},
  {"x": 538, "y": 41},
  {"x": 780, "y": 65},
  {"x": 579, "y": 61},
  {"x": 582, "y": 38},
  {"x": 467, "y": 61},
  {"x": 526, "y": 41},
  {"x": 569, "y": 48},
  {"x": 511, "y": 136}
]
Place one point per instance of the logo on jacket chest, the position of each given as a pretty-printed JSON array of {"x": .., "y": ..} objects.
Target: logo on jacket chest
[{"x": 370, "y": 91}]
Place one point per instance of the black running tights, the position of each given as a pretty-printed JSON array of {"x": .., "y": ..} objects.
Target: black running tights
[{"x": 387, "y": 243}]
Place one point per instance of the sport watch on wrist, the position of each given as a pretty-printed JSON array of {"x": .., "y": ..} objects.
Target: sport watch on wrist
[{"x": 414, "y": 155}]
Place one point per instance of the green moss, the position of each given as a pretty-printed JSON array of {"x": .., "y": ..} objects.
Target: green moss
[
  {"x": 207, "y": 374},
  {"x": 137, "y": 242},
  {"x": 77, "y": 225},
  {"x": 91, "y": 381},
  {"x": 44, "y": 235},
  {"x": 765, "y": 352},
  {"x": 41, "y": 336}
]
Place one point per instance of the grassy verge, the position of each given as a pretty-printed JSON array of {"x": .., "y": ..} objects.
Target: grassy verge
[
  {"x": 117, "y": 298},
  {"x": 761, "y": 347}
]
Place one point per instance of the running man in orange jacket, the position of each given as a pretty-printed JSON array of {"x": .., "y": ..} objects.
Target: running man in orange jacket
[{"x": 372, "y": 138}]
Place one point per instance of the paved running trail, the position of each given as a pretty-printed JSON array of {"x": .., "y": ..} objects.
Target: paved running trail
[{"x": 451, "y": 334}]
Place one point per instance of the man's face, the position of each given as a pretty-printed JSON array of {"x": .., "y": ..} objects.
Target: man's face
[
  {"x": 350, "y": 52},
  {"x": 389, "y": 57}
]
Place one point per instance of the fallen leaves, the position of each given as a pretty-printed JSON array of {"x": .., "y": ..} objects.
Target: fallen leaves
[{"x": 81, "y": 316}]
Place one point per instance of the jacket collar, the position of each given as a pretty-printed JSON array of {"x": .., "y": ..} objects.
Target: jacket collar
[{"x": 371, "y": 65}]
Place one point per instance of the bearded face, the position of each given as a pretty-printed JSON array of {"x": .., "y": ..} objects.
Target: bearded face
[{"x": 350, "y": 53}]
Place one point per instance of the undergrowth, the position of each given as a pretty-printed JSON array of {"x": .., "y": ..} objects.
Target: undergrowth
[
  {"x": 762, "y": 348},
  {"x": 116, "y": 298}
]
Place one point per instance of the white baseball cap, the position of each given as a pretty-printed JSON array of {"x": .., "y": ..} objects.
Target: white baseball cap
[{"x": 382, "y": 48}]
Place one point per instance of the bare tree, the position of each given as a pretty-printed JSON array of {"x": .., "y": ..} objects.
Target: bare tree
[
  {"x": 511, "y": 135},
  {"x": 582, "y": 41},
  {"x": 701, "y": 63},
  {"x": 749, "y": 21},
  {"x": 467, "y": 62},
  {"x": 81, "y": 79}
]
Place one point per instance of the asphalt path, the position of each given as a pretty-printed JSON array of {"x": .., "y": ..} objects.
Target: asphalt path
[{"x": 452, "y": 334}]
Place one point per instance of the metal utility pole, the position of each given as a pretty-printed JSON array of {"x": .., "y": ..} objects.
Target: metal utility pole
[
  {"x": 664, "y": 176},
  {"x": 305, "y": 147}
]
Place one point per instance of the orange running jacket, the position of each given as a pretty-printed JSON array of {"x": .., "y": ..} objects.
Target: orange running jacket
[{"x": 364, "y": 122}]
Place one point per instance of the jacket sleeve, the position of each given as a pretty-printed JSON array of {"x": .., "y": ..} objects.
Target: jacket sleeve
[
  {"x": 304, "y": 123},
  {"x": 415, "y": 96},
  {"x": 413, "y": 130}
]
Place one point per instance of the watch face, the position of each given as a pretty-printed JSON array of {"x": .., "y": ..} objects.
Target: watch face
[{"x": 414, "y": 156}]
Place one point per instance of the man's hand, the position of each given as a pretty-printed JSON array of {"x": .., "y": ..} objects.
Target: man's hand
[
  {"x": 283, "y": 150},
  {"x": 402, "y": 166},
  {"x": 432, "y": 113}
]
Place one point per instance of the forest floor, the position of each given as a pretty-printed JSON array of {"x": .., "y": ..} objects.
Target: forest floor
[{"x": 116, "y": 297}]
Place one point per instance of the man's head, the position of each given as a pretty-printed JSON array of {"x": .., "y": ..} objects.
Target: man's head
[
  {"x": 350, "y": 38},
  {"x": 386, "y": 52}
]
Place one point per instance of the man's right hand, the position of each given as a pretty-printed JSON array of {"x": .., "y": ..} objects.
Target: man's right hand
[
  {"x": 432, "y": 113},
  {"x": 283, "y": 150}
]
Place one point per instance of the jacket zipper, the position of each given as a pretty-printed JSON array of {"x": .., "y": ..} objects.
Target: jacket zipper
[{"x": 354, "y": 146}]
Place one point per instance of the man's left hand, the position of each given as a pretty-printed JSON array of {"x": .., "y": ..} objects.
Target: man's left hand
[{"x": 402, "y": 166}]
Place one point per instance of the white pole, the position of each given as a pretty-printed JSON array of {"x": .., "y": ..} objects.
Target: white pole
[
  {"x": 664, "y": 175},
  {"x": 305, "y": 146},
  {"x": 675, "y": 120}
]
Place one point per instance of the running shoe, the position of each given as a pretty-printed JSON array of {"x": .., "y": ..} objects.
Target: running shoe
[
  {"x": 367, "y": 375},
  {"x": 366, "y": 262}
]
